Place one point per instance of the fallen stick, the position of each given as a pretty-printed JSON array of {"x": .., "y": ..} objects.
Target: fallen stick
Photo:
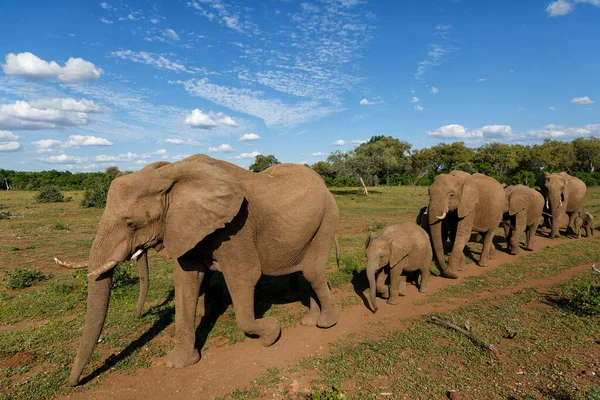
[{"x": 468, "y": 334}]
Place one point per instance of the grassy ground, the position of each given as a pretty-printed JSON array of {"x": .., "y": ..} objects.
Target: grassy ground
[{"x": 40, "y": 325}]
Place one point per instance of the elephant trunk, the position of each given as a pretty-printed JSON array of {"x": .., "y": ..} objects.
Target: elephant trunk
[
  {"x": 556, "y": 206},
  {"x": 142, "y": 265},
  {"x": 99, "y": 286},
  {"x": 97, "y": 307},
  {"x": 371, "y": 270},
  {"x": 435, "y": 228}
]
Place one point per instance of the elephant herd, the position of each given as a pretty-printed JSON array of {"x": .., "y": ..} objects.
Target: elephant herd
[{"x": 211, "y": 215}]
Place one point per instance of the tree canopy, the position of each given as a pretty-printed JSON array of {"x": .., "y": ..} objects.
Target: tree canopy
[{"x": 263, "y": 162}]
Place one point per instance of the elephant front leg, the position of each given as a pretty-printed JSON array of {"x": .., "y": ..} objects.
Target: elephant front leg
[
  {"x": 382, "y": 288},
  {"x": 395, "y": 283},
  {"x": 457, "y": 257},
  {"x": 187, "y": 289}
]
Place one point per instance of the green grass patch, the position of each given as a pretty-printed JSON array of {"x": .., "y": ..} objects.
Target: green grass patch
[{"x": 21, "y": 278}]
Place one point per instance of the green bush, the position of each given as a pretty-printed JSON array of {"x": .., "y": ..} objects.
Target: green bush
[
  {"x": 50, "y": 194},
  {"x": 6, "y": 215},
  {"x": 20, "y": 278},
  {"x": 95, "y": 194},
  {"x": 122, "y": 278},
  {"x": 331, "y": 393},
  {"x": 585, "y": 299}
]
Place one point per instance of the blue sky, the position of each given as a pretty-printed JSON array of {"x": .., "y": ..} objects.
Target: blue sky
[{"x": 85, "y": 85}]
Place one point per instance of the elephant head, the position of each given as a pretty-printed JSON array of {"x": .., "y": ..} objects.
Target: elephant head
[
  {"x": 449, "y": 192},
  {"x": 175, "y": 204},
  {"x": 381, "y": 251},
  {"x": 554, "y": 189}
]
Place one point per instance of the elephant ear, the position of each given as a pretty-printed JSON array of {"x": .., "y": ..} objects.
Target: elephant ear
[
  {"x": 469, "y": 198},
  {"x": 516, "y": 204},
  {"x": 369, "y": 239},
  {"x": 202, "y": 199},
  {"x": 398, "y": 252}
]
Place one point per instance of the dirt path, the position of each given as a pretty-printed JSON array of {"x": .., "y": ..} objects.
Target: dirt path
[{"x": 222, "y": 370}]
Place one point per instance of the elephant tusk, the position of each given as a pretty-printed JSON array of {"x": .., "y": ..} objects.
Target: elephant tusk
[
  {"x": 441, "y": 216},
  {"x": 560, "y": 204},
  {"x": 136, "y": 255},
  {"x": 105, "y": 268},
  {"x": 69, "y": 265},
  {"x": 547, "y": 204}
]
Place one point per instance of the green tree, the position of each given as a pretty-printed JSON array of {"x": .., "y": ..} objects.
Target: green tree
[
  {"x": 263, "y": 162},
  {"x": 447, "y": 156},
  {"x": 555, "y": 156},
  {"x": 501, "y": 157},
  {"x": 421, "y": 164},
  {"x": 324, "y": 168},
  {"x": 587, "y": 153}
]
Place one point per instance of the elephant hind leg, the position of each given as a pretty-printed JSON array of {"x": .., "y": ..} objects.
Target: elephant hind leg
[
  {"x": 485, "y": 252},
  {"x": 323, "y": 311},
  {"x": 241, "y": 280}
]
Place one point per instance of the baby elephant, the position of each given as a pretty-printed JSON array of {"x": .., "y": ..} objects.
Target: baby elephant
[
  {"x": 402, "y": 247},
  {"x": 584, "y": 220},
  {"x": 523, "y": 213}
]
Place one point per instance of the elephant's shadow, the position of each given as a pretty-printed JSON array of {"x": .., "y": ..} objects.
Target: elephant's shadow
[{"x": 270, "y": 290}]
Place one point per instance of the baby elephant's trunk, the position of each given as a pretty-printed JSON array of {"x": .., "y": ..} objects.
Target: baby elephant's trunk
[{"x": 371, "y": 269}]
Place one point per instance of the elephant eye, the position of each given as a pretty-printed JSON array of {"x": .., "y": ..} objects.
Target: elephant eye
[
  {"x": 451, "y": 195},
  {"x": 130, "y": 223}
]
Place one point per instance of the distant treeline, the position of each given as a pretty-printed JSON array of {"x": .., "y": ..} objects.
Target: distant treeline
[
  {"x": 384, "y": 160},
  {"x": 65, "y": 180}
]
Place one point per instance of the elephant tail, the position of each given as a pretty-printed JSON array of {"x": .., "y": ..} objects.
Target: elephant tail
[{"x": 337, "y": 251}]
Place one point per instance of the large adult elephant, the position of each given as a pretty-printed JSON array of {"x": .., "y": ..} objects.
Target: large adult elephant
[
  {"x": 478, "y": 201},
  {"x": 211, "y": 214},
  {"x": 564, "y": 194}
]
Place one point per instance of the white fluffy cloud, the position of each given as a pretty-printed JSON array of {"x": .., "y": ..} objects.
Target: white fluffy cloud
[
  {"x": 249, "y": 137},
  {"x": 8, "y": 141},
  {"x": 358, "y": 142},
  {"x": 23, "y": 115},
  {"x": 198, "y": 119},
  {"x": 320, "y": 154},
  {"x": 419, "y": 107},
  {"x": 224, "y": 148},
  {"x": 177, "y": 141},
  {"x": 563, "y": 133},
  {"x": 248, "y": 155},
  {"x": 7, "y": 136},
  {"x": 559, "y": 7},
  {"x": 564, "y": 7},
  {"x": 415, "y": 99},
  {"x": 68, "y": 104},
  {"x": 365, "y": 102},
  {"x": 31, "y": 66},
  {"x": 455, "y": 131},
  {"x": 434, "y": 90},
  {"x": 338, "y": 143},
  {"x": 582, "y": 100},
  {"x": 74, "y": 141}
]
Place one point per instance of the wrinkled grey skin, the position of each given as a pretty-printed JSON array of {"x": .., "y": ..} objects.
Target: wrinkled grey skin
[
  {"x": 213, "y": 215},
  {"x": 523, "y": 214},
  {"x": 402, "y": 247},
  {"x": 584, "y": 220},
  {"x": 564, "y": 194},
  {"x": 449, "y": 225},
  {"x": 479, "y": 202}
]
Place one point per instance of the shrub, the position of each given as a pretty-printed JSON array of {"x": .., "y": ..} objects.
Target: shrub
[
  {"x": 585, "y": 299},
  {"x": 6, "y": 215},
  {"x": 20, "y": 278},
  {"x": 587, "y": 177},
  {"x": 330, "y": 393},
  {"x": 95, "y": 194},
  {"x": 50, "y": 194},
  {"x": 122, "y": 278}
]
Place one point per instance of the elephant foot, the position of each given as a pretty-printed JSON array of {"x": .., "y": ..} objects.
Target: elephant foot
[
  {"x": 555, "y": 236},
  {"x": 514, "y": 250},
  {"x": 529, "y": 248},
  {"x": 271, "y": 331},
  {"x": 329, "y": 318},
  {"x": 423, "y": 290},
  {"x": 402, "y": 289},
  {"x": 461, "y": 267},
  {"x": 180, "y": 358},
  {"x": 449, "y": 274},
  {"x": 385, "y": 294},
  {"x": 393, "y": 300},
  {"x": 310, "y": 318}
]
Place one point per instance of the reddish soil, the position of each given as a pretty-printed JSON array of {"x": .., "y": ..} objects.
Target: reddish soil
[{"x": 222, "y": 370}]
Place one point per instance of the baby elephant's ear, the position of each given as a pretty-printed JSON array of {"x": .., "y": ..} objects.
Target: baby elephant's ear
[
  {"x": 398, "y": 251},
  {"x": 517, "y": 203},
  {"x": 369, "y": 239},
  {"x": 202, "y": 199}
]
